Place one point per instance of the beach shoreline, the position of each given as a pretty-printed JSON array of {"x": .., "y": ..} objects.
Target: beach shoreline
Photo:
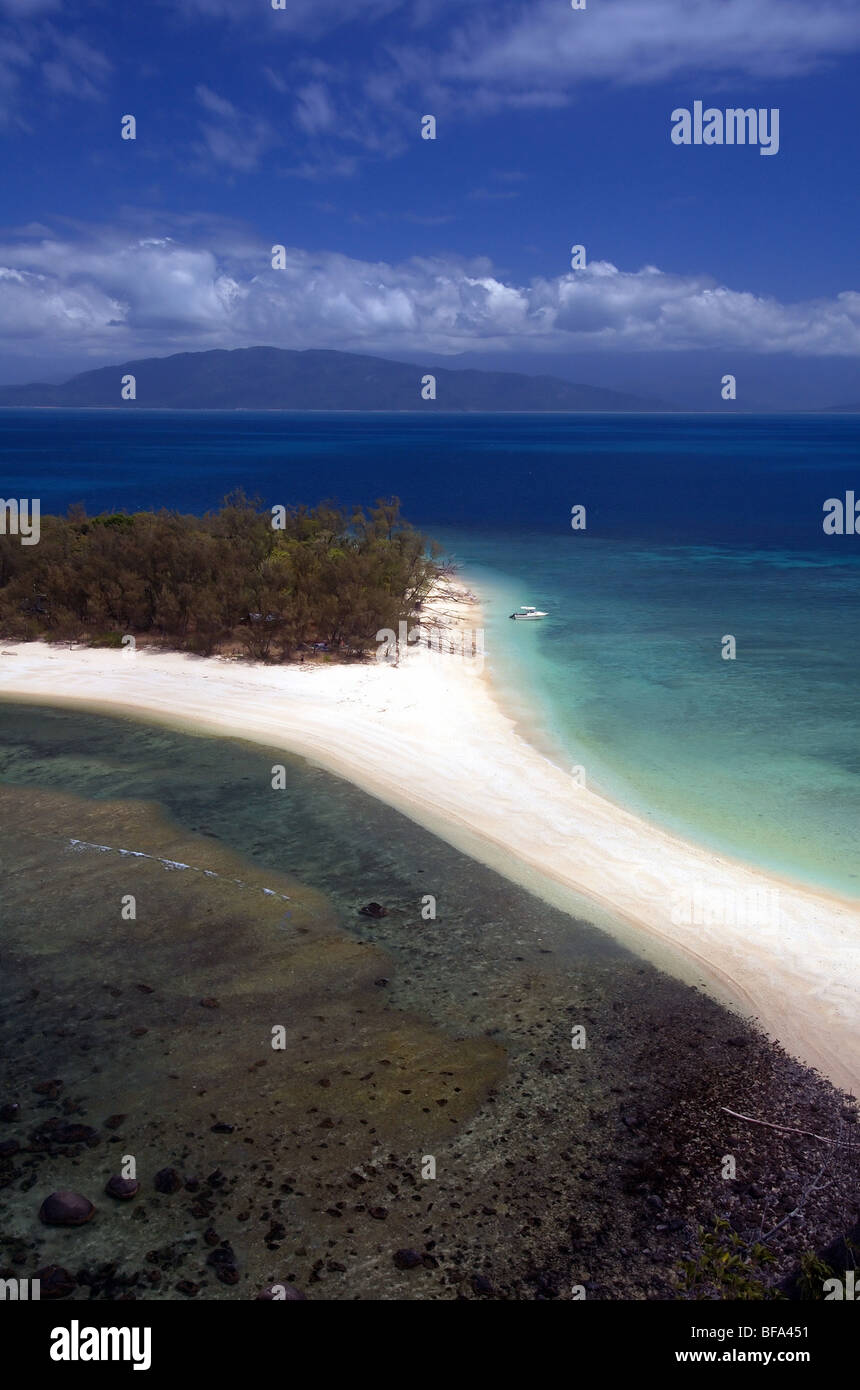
[{"x": 429, "y": 738}]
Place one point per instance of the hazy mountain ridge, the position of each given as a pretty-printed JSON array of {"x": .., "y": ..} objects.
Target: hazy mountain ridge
[{"x": 263, "y": 378}]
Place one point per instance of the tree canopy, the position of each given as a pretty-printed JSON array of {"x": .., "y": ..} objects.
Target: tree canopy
[{"x": 238, "y": 576}]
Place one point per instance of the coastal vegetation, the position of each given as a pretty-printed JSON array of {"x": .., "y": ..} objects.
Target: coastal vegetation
[{"x": 272, "y": 582}]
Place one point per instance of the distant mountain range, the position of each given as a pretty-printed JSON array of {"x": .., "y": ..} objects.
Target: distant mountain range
[{"x": 264, "y": 378}]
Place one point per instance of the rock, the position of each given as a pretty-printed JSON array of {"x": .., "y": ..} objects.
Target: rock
[
  {"x": 190, "y": 1290},
  {"x": 373, "y": 910},
  {"x": 48, "y": 1088},
  {"x": 122, "y": 1188},
  {"x": 167, "y": 1180},
  {"x": 211, "y": 1236},
  {"x": 10, "y": 1112},
  {"x": 224, "y": 1255},
  {"x": 407, "y": 1259},
  {"x": 55, "y": 1282},
  {"x": 9, "y": 1147},
  {"x": 114, "y": 1121},
  {"x": 378, "y": 1213},
  {"x": 209, "y": 1003},
  {"x": 481, "y": 1284},
  {"x": 54, "y": 1134},
  {"x": 284, "y": 1293},
  {"x": 66, "y": 1209},
  {"x": 222, "y": 1128},
  {"x": 228, "y": 1274},
  {"x": 381, "y": 982}
]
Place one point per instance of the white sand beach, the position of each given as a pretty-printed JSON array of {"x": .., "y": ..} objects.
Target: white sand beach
[{"x": 428, "y": 737}]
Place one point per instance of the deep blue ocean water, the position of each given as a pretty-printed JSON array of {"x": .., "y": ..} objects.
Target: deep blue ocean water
[{"x": 698, "y": 527}]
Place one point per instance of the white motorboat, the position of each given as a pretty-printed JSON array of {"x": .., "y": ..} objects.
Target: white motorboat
[{"x": 525, "y": 612}]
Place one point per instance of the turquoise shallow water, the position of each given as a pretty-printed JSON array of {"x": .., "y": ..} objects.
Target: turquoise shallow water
[
  {"x": 758, "y": 757},
  {"x": 698, "y": 526}
]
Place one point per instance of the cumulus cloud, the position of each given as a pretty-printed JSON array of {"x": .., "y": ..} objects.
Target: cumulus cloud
[{"x": 115, "y": 296}]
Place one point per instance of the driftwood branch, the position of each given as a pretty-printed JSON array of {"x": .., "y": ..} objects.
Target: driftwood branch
[
  {"x": 798, "y": 1210},
  {"x": 786, "y": 1129}
]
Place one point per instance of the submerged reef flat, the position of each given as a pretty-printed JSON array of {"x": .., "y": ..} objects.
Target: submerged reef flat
[{"x": 426, "y": 1125}]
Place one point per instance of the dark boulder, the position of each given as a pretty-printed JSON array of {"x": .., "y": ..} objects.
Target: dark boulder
[
  {"x": 48, "y": 1088},
  {"x": 55, "y": 1282},
  {"x": 122, "y": 1188},
  {"x": 167, "y": 1180},
  {"x": 407, "y": 1259},
  {"x": 66, "y": 1209}
]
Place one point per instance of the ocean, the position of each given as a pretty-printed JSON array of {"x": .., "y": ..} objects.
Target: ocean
[{"x": 698, "y": 529}]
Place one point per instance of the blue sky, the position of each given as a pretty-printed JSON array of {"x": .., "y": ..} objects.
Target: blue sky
[{"x": 301, "y": 127}]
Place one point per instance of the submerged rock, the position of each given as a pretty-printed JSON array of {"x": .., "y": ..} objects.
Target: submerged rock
[
  {"x": 55, "y": 1134},
  {"x": 373, "y": 910},
  {"x": 123, "y": 1188},
  {"x": 55, "y": 1282},
  {"x": 48, "y": 1088},
  {"x": 407, "y": 1259},
  {"x": 66, "y": 1209},
  {"x": 167, "y": 1180}
]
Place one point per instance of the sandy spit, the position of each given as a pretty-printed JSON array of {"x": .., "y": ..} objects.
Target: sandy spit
[{"x": 427, "y": 736}]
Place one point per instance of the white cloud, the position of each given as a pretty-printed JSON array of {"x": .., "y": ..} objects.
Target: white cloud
[
  {"x": 314, "y": 111},
  {"x": 154, "y": 294},
  {"x": 477, "y": 58},
  {"x": 231, "y": 137},
  {"x": 26, "y": 8},
  {"x": 210, "y": 101},
  {"x": 68, "y": 65},
  {"x": 547, "y": 46}
]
